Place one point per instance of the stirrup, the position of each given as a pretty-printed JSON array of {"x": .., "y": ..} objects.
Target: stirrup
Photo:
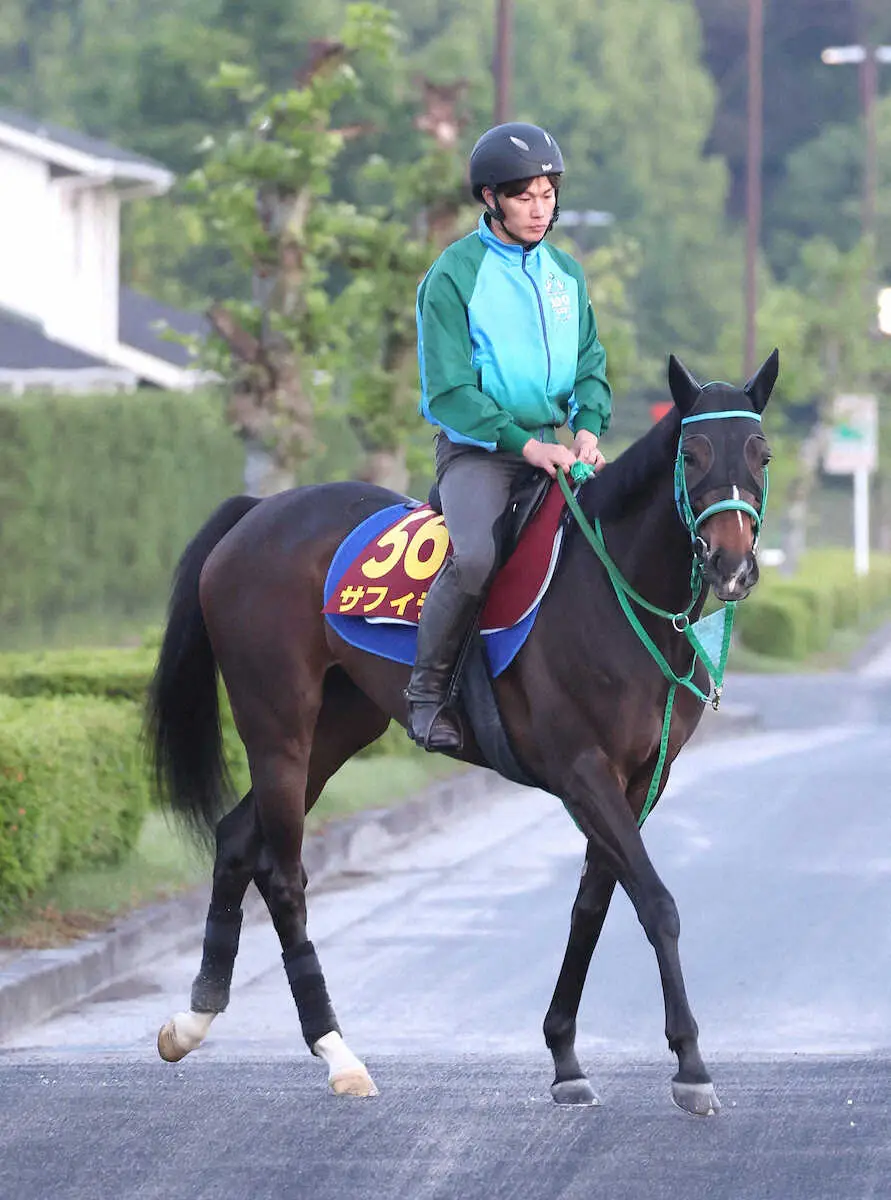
[{"x": 426, "y": 738}]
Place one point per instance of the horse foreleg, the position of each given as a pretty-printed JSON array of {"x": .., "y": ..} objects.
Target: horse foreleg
[
  {"x": 571, "y": 1085},
  {"x": 237, "y": 845},
  {"x": 602, "y": 811}
]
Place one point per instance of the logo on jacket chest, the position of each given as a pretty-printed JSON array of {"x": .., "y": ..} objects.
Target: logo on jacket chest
[{"x": 559, "y": 296}]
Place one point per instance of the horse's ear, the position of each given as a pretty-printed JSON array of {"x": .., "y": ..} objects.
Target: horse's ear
[
  {"x": 685, "y": 390},
  {"x": 760, "y": 386}
]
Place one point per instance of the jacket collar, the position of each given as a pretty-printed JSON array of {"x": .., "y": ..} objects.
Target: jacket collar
[{"x": 510, "y": 251}]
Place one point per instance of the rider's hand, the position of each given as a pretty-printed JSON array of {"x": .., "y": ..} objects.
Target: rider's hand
[
  {"x": 586, "y": 449},
  {"x": 547, "y": 457}
]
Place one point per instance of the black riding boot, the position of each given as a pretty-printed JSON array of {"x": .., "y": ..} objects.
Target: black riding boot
[{"x": 445, "y": 622}]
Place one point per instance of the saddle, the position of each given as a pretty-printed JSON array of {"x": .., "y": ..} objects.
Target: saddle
[{"x": 377, "y": 583}]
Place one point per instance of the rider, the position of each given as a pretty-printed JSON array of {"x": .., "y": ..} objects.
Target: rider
[{"x": 508, "y": 351}]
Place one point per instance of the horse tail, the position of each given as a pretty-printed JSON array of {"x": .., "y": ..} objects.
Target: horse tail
[{"x": 183, "y": 711}]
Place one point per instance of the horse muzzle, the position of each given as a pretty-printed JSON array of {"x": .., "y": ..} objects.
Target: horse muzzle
[{"x": 730, "y": 575}]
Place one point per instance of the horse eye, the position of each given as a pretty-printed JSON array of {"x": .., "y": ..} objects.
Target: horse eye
[{"x": 689, "y": 458}]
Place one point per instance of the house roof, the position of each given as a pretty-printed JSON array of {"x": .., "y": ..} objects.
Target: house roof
[
  {"x": 28, "y": 357},
  {"x": 139, "y": 317},
  {"x": 80, "y": 153},
  {"x": 25, "y": 347}
]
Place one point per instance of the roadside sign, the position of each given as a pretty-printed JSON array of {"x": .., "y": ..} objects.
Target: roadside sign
[{"x": 852, "y": 435}]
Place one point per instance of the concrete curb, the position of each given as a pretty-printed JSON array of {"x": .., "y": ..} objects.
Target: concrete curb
[{"x": 36, "y": 984}]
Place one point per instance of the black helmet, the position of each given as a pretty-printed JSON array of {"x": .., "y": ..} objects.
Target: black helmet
[{"x": 512, "y": 151}]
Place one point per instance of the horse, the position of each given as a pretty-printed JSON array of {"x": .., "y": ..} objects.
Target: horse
[{"x": 583, "y": 704}]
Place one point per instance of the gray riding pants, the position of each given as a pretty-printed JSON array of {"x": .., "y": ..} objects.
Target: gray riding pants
[{"x": 475, "y": 487}]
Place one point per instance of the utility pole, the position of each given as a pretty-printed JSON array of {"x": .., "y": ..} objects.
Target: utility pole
[
  {"x": 503, "y": 65},
  {"x": 753, "y": 177}
]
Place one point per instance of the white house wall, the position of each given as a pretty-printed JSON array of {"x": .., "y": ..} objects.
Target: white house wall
[
  {"x": 25, "y": 248},
  {"x": 84, "y": 308},
  {"x": 59, "y": 246}
]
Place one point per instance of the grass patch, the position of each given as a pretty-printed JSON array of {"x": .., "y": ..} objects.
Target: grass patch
[
  {"x": 165, "y": 862},
  {"x": 376, "y": 783}
]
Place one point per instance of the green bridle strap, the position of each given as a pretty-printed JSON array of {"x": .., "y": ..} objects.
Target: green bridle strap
[
  {"x": 728, "y": 506},
  {"x": 625, "y": 594}
]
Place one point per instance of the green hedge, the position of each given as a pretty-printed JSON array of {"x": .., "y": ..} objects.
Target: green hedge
[
  {"x": 776, "y": 626},
  {"x": 99, "y": 495},
  {"x": 125, "y": 675},
  {"x": 111, "y": 674},
  {"x": 793, "y": 617},
  {"x": 74, "y": 788}
]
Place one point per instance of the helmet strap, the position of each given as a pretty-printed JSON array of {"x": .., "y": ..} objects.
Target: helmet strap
[{"x": 497, "y": 213}]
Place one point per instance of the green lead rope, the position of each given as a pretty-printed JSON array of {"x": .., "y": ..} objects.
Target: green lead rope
[{"x": 710, "y": 644}]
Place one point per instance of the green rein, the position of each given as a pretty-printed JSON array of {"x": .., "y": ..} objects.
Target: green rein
[{"x": 708, "y": 637}]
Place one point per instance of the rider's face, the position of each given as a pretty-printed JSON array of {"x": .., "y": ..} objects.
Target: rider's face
[{"x": 528, "y": 215}]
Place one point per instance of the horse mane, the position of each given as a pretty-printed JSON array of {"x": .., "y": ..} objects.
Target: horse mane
[{"x": 624, "y": 484}]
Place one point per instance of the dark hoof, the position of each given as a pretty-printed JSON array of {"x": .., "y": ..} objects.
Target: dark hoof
[
  {"x": 574, "y": 1091},
  {"x": 700, "y": 1099}
]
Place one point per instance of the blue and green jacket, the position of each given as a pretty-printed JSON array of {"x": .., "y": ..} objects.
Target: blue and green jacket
[{"x": 507, "y": 344}]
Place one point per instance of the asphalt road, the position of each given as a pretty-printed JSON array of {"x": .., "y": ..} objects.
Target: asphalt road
[{"x": 441, "y": 961}]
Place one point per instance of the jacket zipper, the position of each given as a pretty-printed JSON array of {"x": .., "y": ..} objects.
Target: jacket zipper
[{"x": 544, "y": 328}]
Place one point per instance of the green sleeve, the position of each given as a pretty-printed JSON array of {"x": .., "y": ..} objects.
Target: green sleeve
[
  {"x": 593, "y": 394},
  {"x": 451, "y": 387}
]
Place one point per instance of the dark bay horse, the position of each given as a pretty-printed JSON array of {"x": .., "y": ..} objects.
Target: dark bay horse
[{"x": 583, "y": 703}]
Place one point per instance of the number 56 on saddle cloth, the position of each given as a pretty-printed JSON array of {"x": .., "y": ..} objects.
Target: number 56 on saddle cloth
[{"x": 380, "y": 574}]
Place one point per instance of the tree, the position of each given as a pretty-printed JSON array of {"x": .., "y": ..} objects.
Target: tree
[
  {"x": 259, "y": 191},
  {"x": 387, "y": 251},
  {"x": 825, "y": 329}
]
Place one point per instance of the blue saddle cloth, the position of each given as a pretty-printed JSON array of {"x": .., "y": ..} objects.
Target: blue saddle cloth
[{"x": 395, "y": 641}]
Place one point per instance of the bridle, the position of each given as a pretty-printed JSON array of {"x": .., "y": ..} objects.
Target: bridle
[{"x": 685, "y": 499}]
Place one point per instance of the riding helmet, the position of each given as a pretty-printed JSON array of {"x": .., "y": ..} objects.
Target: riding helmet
[{"x": 512, "y": 151}]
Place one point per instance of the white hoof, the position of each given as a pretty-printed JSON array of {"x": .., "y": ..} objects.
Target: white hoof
[
  {"x": 168, "y": 1047},
  {"x": 353, "y": 1083},
  {"x": 182, "y": 1034},
  {"x": 347, "y": 1075}
]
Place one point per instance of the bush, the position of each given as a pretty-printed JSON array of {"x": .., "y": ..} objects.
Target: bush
[
  {"x": 854, "y": 598},
  {"x": 774, "y": 625},
  {"x": 824, "y": 595},
  {"x": 819, "y": 608},
  {"x": 112, "y": 674},
  {"x": 74, "y": 788},
  {"x": 100, "y": 494}
]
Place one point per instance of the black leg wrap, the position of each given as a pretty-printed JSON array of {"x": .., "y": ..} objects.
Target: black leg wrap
[
  {"x": 310, "y": 993},
  {"x": 210, "y": 991}
]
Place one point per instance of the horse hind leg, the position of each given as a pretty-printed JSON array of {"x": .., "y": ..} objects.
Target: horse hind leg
[
  {"x": 347, "y": 722},
  {"x": 238, "y": 842}
]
